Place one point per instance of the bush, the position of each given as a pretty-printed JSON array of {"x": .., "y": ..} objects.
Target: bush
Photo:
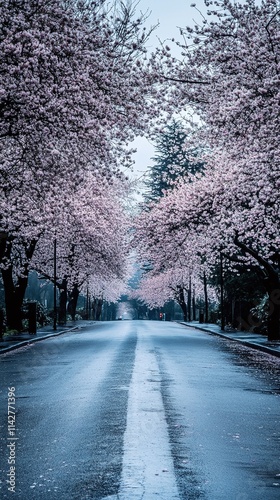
[{"x": 260, "y": 315}]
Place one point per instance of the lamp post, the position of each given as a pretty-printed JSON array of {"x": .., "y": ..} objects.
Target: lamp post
[
  {"x": 205, "y": 298},
  {"x": 3, "y": 238},
  {"x": 190, "y": 300},
  {"x": 222, "y": 292},
  {"x": 54, "y": 286},
  {"x": 194, "y": 304},
  {"x": 87, "y": 305}
]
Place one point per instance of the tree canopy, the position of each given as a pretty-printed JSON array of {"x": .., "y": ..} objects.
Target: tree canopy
[{"x": 229, "y": 75}]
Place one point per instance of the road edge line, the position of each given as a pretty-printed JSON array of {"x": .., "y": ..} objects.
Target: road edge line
[
  {"x": 258, "y": 347},
  {"x": 36, "y": 339}
]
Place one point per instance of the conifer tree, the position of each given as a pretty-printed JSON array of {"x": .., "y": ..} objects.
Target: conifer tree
[{"x": 172, "y": 161}]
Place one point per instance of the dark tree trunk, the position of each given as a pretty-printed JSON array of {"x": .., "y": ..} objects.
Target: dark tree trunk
[
  {"x": 3, "y": 244},
  {"x": 206, "y": 319},
  {"x": 182, "y": 303},
  {"x": 222, "y": 292},
  {"x": 273, "y": 324},
  {"x": 15, "y": 291},
  {"x": 93, "y": 308},
  {"x": 272, "y": 284},
  {"x": 112, "y": 309},
  {"x": 194, "y": 306},
  {"x": 1, "y": 323},
  {"x": 14, "y": 299},
  {"x": 87, "y": 306},
  {"x": 73, "y": 299},
  {"x": 99, "y": 309},
  {"x": 62, "y": 303},
  {"x": 105, "y": 312},
  {"x": 190, "y": 300}
]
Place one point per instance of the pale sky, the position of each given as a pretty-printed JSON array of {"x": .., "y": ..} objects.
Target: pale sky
[{"x": 170, "y": 16}]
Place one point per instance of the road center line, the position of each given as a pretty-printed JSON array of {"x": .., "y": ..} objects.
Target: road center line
[{"x": 148, "y": 470}]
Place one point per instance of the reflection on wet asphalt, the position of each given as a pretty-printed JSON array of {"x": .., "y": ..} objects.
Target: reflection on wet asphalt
[{"x": 142, "y": 410}]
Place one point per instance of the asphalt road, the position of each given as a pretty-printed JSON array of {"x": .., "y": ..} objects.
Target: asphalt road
[{"x": 139, "y": 410}]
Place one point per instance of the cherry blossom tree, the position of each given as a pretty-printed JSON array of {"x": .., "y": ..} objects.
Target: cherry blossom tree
[
  {"x": 175, "y": 256},
  {"x": 72, "y": 95},
  {"x": 229, "y": 75},
  {"x": 92, "y": 244}
]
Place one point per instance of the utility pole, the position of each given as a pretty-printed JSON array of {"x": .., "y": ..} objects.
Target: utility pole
[
  {"x": 194, "y": 304},
  {"x": 206, "y": 298},
  {"x": 54, "y": 286},
  {"x": 87, "y": 305},
  {"x": 222, "y": 293},
  {"x": 190, "y": 300}
]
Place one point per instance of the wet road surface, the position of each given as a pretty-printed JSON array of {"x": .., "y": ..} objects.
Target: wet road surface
[{"x": 140, "y": 410}]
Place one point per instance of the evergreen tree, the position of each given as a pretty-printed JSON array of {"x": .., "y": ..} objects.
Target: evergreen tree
[{"x": 171, "y": 162}]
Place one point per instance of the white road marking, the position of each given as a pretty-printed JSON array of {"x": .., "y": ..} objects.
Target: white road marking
[{"x": 148, "y": 471}]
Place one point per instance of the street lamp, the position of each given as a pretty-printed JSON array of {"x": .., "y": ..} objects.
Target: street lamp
[
  {"x": 3, "y": 237},
  {"x": 222, "y": 292},
  {"x": 54, "y": 286}
]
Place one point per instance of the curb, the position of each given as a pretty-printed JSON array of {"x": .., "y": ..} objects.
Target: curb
[
  {"x": 256, "y": 346},
  {"x": 36, "y": 339}
]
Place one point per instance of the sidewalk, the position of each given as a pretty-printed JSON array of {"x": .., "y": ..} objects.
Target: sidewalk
[
  {"x": 249, "y": 339},
  {"x": 15, "y": 341}
]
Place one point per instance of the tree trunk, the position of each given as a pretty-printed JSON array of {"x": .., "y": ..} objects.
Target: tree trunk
[
  {"x": 273, "y": 322},
  {"x": 206, "y": 319},
  {"x": 62, "y": 303},
  {"x": 94, "y": 308},
  {"x": 194, "y": 306},
  {"x": 190, "y": 300},
  {"x": 14, "y": 299},
  {"x": 99, "y": 309},
  {"x": 73, "y": 299},
  {"x": 15, "y": 291},
  {"x": 182, "y": 303},
  {"x": 272, "y": 284},
  {"x": 87, "y": 305},
  {"x": 222, "y": 292},
  {"x": 105, "y": 312}
]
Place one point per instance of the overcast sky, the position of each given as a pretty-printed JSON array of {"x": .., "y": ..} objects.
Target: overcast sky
[{"x": 170, "y": 15}]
